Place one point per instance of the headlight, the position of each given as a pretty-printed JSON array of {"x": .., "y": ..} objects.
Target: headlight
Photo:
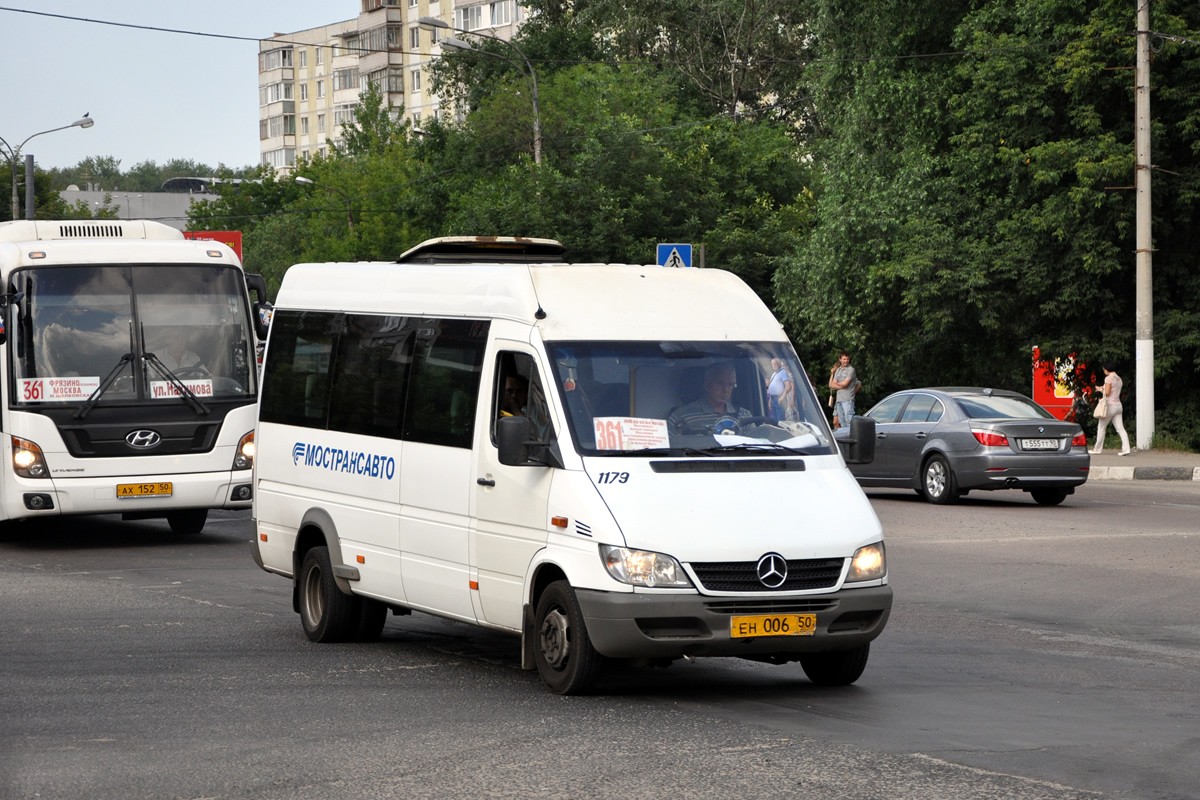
[
  {"x": 243, "y": 458},
  {"x": 869, "y": 564},
  {"x": 28, "y": 461},
  {"x": 642, "y": 567}
]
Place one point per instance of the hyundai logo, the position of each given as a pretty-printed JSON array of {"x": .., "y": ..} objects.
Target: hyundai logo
[
  {"x": 144, "y": 439},
  {"x": 771, "y": 570}
]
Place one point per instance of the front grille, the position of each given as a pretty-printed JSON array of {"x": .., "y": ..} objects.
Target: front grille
[
  {"x": 742, "y": 576},
  {"x": 798, "y": 606}
]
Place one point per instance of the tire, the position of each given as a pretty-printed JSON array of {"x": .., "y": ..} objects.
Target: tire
[
  {"x": 562, "y": 650},
  {"x": 371, "y": 619},
  {"x": 837, "y": 668},
  {"x": 187, "y": 523},
  {"x": 1048, "y": 497},
  {"x": 937, "y": 481},
  {"x": 326, "y": 614}
]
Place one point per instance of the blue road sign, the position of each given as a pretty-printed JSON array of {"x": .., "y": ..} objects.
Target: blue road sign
[{"x": 674, "y": 255}]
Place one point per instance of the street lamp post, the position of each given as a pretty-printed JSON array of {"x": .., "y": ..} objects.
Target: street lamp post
[
  {"x": 300, "y": 179},
  {"x": 430, "y": 23},
  {"x": 14, "y": 153}
]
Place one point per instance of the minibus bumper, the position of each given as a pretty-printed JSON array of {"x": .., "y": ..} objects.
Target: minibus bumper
[
  {"x": 645, "y": 625},
  {"x": 100, "y": 495}
]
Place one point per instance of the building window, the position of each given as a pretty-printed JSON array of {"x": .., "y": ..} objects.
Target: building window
[
  {"x": 384, "y": 37},
  {"x": 281, "y": 158},
  {"x": 343, "y": 113},
  {"x": 320, "y": 56},
  {"x": 416, "y": 117},
  {"x": 321, "y": 125},
  {"x": 415, "y": 82},
  {"x": 501, "y": 13},
  {"x": 304, "y": 59},
  {"x": 345, "y": 79},
  {"x": 274, "y": 92},
  {"x": 303, "y": 91},
  {"x": 320, "y": 89},
  {"x": 304, "y": 126},
  {"x": 412, "y": 3},
  {"x": 274, "y": 59},
  {"x": 469, "y": 18},
  {"x": 414, "y": 39}
]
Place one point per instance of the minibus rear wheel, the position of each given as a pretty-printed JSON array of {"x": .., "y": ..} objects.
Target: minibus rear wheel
[
  {"x": 326, "y": 614},
  {"x": 187, "y": 523},
  {"x": 836, "y": 668},
  {"x": 563, "y": 651}
]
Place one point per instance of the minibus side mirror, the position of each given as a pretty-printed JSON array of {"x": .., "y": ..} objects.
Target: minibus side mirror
[
  {"x": 512, "y": 436},
  {"x": 859, "y": 447}
]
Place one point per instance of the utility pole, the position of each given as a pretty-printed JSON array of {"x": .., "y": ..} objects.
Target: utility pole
[{"x": 1144, "y": 342}]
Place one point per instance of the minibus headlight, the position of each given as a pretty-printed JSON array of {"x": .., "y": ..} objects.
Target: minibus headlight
[
  {"x": 869, "y": 564},
  {"x": 642, "y": 567},
  {"x": 27, "y": 459},
  {"x": 244, "y": 457}
]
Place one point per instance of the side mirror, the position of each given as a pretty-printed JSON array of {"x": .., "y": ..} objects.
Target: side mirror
[
  {"x": 859, "y": 447},
  {"x": 512, "y": 437},
  {"x": 257, "y": 285}
]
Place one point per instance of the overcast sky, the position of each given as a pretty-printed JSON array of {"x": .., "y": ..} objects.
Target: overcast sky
[{"x": 154, "y": 95}]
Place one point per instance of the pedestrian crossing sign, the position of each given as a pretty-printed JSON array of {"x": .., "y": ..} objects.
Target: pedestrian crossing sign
[{"x": 674, "y": 255}]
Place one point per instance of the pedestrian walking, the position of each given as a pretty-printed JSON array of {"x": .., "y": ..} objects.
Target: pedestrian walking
[{"x": 1111, "y": 397}]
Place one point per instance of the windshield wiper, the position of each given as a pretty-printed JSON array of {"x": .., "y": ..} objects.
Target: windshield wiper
[
  {"x": 171, "y": 377},
  {"x": 747, "y": 447},
  {"x": 103, "y": 387}
]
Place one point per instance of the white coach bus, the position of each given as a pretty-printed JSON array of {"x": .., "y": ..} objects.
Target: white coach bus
[
  {"x": 582, "y": 455},
  {"x": 129, "y": 372}
]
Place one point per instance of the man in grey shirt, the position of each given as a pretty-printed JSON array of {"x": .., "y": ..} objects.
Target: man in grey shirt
[{"x": 845, "y": 381}]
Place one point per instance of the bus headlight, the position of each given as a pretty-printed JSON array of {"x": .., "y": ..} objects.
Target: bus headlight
[
  {"x": 642, "y": 567},
  {"x": 244, "y": 457},
  {"x": 28, "y": 461},
  {"x": 869, "y": 564}
]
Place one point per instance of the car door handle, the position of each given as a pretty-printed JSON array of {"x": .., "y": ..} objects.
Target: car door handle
[
  {"x": 921, "y": 435},
  {"x": 881, "y": 436},
  {"x": 485, "y": 481}
]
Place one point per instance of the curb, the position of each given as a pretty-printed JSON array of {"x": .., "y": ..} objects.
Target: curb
[{"x": 1144, "y": 474}]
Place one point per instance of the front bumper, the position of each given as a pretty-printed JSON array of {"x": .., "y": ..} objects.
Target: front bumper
[
  {"x": 99, "y": 495},
  {"x": 644, "y": 625}
]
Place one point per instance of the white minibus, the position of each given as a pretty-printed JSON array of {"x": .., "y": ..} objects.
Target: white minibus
[
  {"x": 128, "y": 371},
  {"x": 613, "y": 462}
]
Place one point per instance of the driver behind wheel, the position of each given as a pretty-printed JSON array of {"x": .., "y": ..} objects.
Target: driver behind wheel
[
  {"x": 713, "y": 413},
  {"x": 177, "y": 356}
]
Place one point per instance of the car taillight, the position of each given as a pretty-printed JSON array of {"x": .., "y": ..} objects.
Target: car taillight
[
  {"x": 990, "y": 438},
  {"x": 1080, "y": 440}
]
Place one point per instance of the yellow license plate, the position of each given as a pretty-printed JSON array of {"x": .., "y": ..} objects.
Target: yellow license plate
[
  {"x": 144, "y": 490},
  {"x": 773, "y": 625}
]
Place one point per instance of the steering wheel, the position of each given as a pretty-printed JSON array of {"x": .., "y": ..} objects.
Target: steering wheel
[
  {"x": 734, "y": 424},
  {"x": 192, "y": 373}
]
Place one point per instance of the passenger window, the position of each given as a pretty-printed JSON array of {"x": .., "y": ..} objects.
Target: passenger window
[
  {"x": 918, "y": 408},
  {"x": 886, "y": 410},
  {"x": 296, "y": 379},
  {"x": 444, "y": 386},
  {"x": 935, "y": 413},
  {"x": 369, "y": 375},
  {"x": 519, "y": 392}
]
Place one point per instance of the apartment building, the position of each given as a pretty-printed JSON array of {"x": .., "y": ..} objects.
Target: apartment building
[{"x": 309, "y": 81}]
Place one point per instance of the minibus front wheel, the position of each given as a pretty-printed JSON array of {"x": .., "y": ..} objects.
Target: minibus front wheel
[
  {"x": 326, "y": 614},
  {"x": 563, "y": 651}
]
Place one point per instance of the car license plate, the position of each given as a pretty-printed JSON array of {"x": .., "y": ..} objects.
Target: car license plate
[
  {"x": 773, "y": 625},
  {"x": 144, "y": 489},
  {"x": 1039, "y": 444}
]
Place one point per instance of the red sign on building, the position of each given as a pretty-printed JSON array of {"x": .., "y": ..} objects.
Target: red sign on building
[{"x": 231, "y": 238}]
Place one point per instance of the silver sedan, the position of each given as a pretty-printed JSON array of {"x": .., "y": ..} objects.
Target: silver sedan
[{"x": 948, "y": 441}]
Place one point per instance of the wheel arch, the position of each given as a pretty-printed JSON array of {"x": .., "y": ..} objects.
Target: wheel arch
[
  {"x": 317, "y": 529},
  {"x": 542, "y": 576}
]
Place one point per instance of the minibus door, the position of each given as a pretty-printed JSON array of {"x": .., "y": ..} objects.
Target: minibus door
[{"x": 510, "y": 501}]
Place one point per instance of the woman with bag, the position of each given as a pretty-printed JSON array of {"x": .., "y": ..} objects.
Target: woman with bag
[{"x": 1108, "y": 409}]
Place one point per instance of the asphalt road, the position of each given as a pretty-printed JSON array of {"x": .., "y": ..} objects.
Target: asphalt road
[{"x": 1033, "y": 653}]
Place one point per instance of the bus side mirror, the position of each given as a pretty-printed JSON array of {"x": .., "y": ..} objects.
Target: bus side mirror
[
  {"x": 261, "y": 306},
  {"x": 512, "y": 437},
  {"x": 7, "y": 301},
  {"x": 859, "y": 447}
]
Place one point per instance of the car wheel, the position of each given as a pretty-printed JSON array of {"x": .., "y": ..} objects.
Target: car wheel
[
  {"x": 937, "y": 481},
  {"x": 1049, "y": 497},
  {"x": 188, "y": 523},
  {"x": 839, "y": 668},
  {"x": 563, "y": 652},
  {"x": 326, "y": 614}
]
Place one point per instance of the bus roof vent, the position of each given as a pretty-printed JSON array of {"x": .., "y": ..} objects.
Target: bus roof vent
[
  {"x": 89, "y": 230},
  {"x": 484, "y": 249}
]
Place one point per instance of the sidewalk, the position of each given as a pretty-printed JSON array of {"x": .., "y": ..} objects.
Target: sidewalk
[{"x": 1152, "y": 465}]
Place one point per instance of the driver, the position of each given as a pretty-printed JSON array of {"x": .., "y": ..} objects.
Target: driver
[
  {"x": 177, "y": 356},
  {"x": 712, "y": 413}
]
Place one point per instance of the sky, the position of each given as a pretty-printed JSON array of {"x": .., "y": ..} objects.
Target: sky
[{"x": 154, "y": 95}]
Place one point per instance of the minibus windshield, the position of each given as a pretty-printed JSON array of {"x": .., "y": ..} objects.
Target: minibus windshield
[
  {"x": 688, "y": 399},
  {"x": 152, "y": 330}
]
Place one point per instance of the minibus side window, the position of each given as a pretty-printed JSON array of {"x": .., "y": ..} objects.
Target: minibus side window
[
  {"x": 369, "y": 375},
  {"x": 444, "y": 385},
  {"x": 296, "y": 375},
  {"x": 519, "y": 392}
]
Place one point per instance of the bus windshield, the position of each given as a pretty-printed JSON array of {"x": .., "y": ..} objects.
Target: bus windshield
[
  {"x": 688, "y": 398},
  {"x": 150, "y": 329}
]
